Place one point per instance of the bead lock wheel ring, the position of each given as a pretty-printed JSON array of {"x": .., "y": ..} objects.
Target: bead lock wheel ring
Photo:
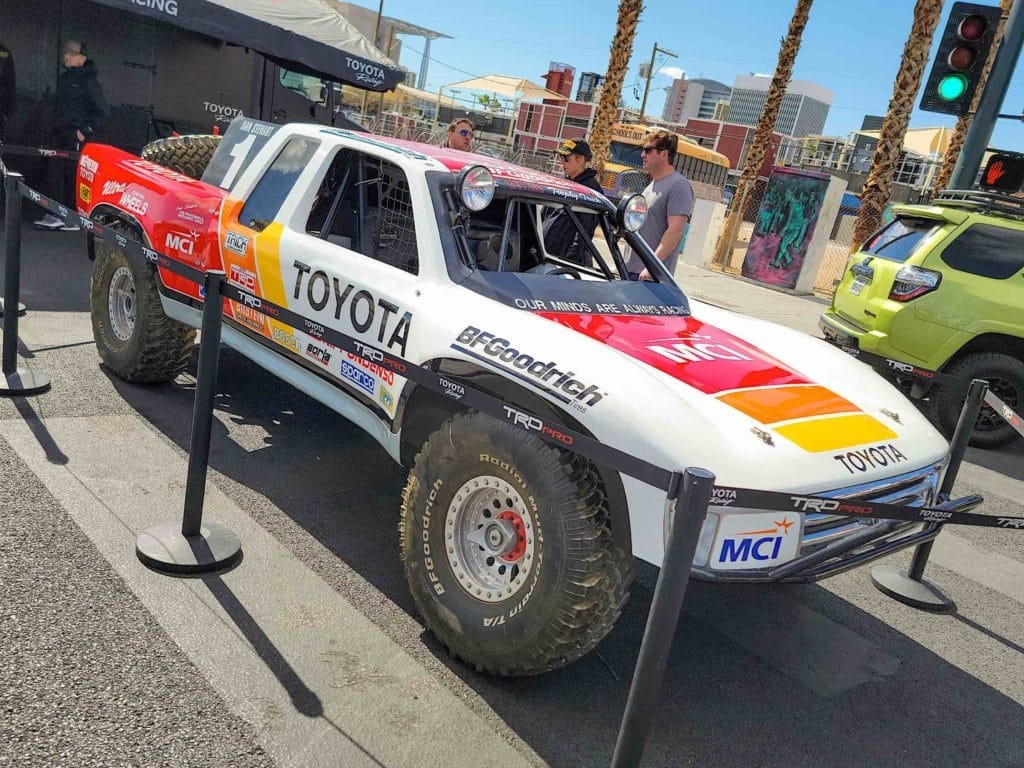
[{"x": 489, "y": 539}]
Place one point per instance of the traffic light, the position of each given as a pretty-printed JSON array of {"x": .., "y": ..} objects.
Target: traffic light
[
  {"x": 963, "y": 50},
  {"x": 1004, "y": 172}
]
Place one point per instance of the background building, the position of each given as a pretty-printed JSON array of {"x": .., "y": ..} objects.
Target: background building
[
  {"x": 559, "y": 79},
  {"x": 683, "y": 100},
  {"x": 803, "y": 112},
  {"x": 714, "y": 92},
  {"x": 388, "y": 40},
  {"x": 590, "y": 82}
]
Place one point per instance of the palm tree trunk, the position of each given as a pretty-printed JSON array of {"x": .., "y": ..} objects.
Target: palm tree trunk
[
  {"x": 956, "y": 141},
  {"x": 890, "y": 139},
  {"x": 611, "y": 91},
  {"x": 763, "y": 133}
]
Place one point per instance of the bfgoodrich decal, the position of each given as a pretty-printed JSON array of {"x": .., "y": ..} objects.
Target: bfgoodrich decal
[{"x": 545, "y": 374}]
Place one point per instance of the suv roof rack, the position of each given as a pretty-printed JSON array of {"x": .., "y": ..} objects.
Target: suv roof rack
[{"x": 986, "y": 202}]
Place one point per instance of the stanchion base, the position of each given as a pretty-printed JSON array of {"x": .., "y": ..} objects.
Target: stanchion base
[
  {"x": 163, "y": 548},
  {"x": 923, "y": 595},
  {"x": 21, "y": 308},
  {"x": 23, "y": 382}
]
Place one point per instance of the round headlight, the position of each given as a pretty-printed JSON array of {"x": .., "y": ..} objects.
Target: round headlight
[
  {"x": 476, "y": 187},
  {"x": 633, "y": 212}
]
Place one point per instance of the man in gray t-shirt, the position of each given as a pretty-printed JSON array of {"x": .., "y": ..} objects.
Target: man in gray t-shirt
[{"x": 669, "y": 204}]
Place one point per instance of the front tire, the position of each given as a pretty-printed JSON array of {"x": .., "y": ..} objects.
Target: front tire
[
  {"x": 134, "y": 337},
  {"x": 507, "y": 548},
  {"x": 1005, "y": 376}
]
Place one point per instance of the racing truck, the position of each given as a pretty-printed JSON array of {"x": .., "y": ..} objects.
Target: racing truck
[{"x": 519, "y": 552}]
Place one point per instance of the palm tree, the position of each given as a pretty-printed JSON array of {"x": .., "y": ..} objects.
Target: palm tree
[
  {"x": 956, "y": 141},
  {"x": 876, "y": 191},
  {"x": 618, "y": 61},
  {"x": 763, "y": 133}
]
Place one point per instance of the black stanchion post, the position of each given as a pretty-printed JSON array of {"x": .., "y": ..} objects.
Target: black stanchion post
[
  {"x": 193, "y": 547},
  {"x": 15, "y": 381},
  {"x": 909, "y": 586},
  {"x": 690, "y": 509}
]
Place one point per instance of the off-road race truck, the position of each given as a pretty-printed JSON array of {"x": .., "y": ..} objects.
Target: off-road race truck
[{"x": 518, "y": 553}]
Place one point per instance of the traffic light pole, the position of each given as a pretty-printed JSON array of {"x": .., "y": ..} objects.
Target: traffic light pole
[{"x": 978, "y": 135}]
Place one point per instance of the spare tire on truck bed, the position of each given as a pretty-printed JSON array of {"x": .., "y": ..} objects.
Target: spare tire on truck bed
[{"x": 185, "y": 154}]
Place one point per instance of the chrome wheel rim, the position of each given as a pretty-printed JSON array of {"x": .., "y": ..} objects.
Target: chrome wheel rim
[
  {"x": 121, "y": 303},
  {"x": 489, "y": 539}
]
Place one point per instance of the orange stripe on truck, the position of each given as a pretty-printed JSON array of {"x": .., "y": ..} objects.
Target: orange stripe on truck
[{"x": 774, "y": 404}]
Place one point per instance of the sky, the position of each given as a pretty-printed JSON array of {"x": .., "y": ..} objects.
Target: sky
[{"x": 851, "y": 47}]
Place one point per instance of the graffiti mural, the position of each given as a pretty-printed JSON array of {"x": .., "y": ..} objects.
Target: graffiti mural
[{"x": 784, "y": 226}]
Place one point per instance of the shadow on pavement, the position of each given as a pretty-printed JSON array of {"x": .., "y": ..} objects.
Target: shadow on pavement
[{"x": 722, "y": 705}]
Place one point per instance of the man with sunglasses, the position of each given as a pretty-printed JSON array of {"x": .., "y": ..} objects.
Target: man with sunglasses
[
  {"x": 669, "y": 203},
  {"x": 460, "y": 134},
  {"x": 561, "y": 238}
]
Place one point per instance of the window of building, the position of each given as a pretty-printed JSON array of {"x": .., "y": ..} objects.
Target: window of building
[
  {"x": 270, "y": 192},
  {"x": 988, "y": 251}
]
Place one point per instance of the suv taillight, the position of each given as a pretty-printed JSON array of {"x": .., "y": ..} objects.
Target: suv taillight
[{"x": 912, "y": 282}]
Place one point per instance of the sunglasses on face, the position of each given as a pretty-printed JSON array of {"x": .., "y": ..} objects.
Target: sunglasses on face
[
  {"x": 645, "y": 150},
  {"x": 465, "y": 133}
]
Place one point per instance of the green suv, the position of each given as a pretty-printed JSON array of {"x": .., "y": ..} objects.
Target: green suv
[{"x": 941, "y": 287}]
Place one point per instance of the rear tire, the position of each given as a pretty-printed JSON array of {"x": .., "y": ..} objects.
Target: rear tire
[
  {"x": 135, "y": 339},
  {"x": 185, "y": 154},
  {"x": 1005, "y": 376},
  {"x": 559, "y": 588}
]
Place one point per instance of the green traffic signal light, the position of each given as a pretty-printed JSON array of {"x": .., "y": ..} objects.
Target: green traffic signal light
[{"x": 952, "y": 87}]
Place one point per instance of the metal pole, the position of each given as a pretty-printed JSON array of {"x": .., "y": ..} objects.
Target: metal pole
[
  {"x": 12, "y": 270},
  {"x": 978, "y": 135},
  {"x": 690, "y": 510},
  {"x": 376, "y": 34},
  {"x": 202, "y": 414},
  {"x": 909, "y": 586},
  {"x": 957, "y": 448},
  {"x": 647, "y": 86}
]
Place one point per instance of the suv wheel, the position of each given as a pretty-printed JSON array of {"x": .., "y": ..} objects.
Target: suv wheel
[
  {"x": 135, "y": 339},
  {"x": 507, "y": 548},
  {"x": 1005, "y": 376}
]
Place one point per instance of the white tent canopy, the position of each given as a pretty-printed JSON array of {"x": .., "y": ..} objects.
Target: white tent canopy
[{"x": 507, "y": 86}]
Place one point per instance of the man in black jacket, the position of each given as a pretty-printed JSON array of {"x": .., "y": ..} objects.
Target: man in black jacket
[
  {"x": 561, "y": 238},
  {"x": 81, "y": 112}
]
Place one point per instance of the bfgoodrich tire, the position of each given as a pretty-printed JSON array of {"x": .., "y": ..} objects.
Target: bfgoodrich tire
[
  {"x": 185, "y": 154},
  {"x": 135, "y": 339},
  {"x": 1005, "y": 376},
  {"x": 507, "y": 548}
]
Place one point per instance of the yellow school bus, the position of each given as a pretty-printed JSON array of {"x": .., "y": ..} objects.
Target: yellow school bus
[{"x": 696, "y": 163}]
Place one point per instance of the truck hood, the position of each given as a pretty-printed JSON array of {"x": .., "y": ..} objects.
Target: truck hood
[{"x": 765, "y": 406}]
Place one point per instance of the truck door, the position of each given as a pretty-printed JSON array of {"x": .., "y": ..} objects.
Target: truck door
[{"x": 341, "y": 251}]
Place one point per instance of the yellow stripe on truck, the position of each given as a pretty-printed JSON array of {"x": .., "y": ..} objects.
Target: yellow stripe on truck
[{"x": 834, "y": 432}]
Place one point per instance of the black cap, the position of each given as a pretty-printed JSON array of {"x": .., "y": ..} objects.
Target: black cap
[{"x": 575, "y": 147}]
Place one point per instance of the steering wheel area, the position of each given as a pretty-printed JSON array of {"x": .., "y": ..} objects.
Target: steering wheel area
[{"x": 556, "y": 269}]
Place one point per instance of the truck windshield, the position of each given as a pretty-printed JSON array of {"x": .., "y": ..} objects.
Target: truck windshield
[
  {"x": 900, "y": 238},
  {"x": 526, "y": 235}
]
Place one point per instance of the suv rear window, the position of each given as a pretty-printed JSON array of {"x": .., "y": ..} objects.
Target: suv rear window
[
  {"x": 988, "y": 251},
  {"x": 899, "y": 239}
]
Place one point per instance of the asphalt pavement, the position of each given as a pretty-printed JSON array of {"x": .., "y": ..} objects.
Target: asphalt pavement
[{"x": 310, "y": 652}]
